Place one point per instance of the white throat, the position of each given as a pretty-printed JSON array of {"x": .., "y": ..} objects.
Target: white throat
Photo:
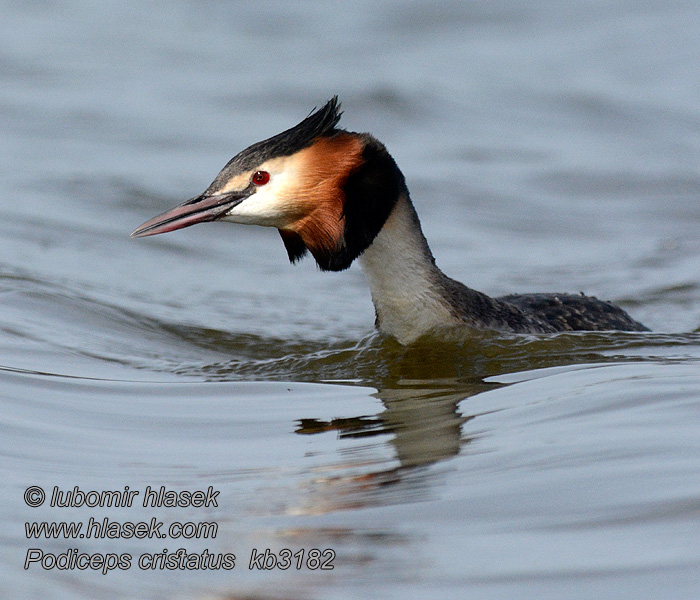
[{"x": 403, "y": 278}]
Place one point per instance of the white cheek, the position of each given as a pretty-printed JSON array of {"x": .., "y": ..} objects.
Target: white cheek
[{"x": 269, "y": 205}]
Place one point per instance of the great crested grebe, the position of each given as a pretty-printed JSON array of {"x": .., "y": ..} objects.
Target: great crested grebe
[{"x": 340, "y": 196}]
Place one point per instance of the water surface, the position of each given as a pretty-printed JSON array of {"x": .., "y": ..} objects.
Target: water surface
[{"x": 547, "y": 148}]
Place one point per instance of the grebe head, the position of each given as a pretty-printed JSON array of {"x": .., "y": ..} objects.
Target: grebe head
[{"x": 328, "y": 191}]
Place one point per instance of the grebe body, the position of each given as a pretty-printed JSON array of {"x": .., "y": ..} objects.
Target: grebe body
[{"x": 340, "y": 196}]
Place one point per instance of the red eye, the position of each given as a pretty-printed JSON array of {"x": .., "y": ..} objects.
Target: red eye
[{"x": 261, "y": 177}]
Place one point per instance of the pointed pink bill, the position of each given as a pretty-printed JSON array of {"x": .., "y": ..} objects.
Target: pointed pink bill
[{"x": 197, "y": 210}]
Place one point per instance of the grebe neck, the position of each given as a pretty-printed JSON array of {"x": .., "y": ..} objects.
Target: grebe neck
[{"x": 403, "y": 278}]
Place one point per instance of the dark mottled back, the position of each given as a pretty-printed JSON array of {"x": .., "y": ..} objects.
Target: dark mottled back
[
  {"x": 569, "y": 312},
  {"x": 534, "y": 313}
]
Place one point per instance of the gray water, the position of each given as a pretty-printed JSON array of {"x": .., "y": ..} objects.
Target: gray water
[{"x": 548, "y": 146}]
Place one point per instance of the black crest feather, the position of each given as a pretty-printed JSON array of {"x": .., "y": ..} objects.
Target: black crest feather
[{"x": 320, "y": 122}]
